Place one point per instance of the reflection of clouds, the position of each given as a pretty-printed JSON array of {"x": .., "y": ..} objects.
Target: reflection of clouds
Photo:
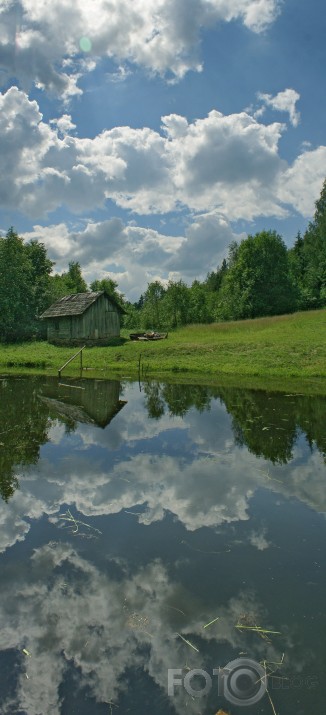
[
  {"x": 206, "y": 481},
  {"x": 63, "y": 610},
  {"x": 259, "y": 540},
  {"x": 13, "y": 526},
  {"x": 56, "y": 432},
  {"x": 306, "y": 478},
  {"x": 199, "y": 493},
  {"x": 29, "y": 502},
  {"x": 94, "y": 627}
]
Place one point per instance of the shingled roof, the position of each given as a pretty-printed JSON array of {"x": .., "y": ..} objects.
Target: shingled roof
[{"x": 76, "y": 304}]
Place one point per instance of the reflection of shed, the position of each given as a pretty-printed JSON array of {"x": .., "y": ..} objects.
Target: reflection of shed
[
  {"x": 83, "y": 319},
  {"x": 93, "y": 401}
]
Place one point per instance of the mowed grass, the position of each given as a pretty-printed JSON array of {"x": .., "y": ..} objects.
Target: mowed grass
[{"x": 289, "y": 346}]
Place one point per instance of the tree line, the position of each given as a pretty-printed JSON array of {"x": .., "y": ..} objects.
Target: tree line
[{"x": 259, "y": 277}]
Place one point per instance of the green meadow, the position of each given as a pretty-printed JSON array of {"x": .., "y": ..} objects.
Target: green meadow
[{"x": 250, "y": 352}]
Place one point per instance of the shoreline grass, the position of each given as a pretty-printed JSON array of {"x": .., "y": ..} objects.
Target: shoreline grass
[{"x": 261, "y": 351}]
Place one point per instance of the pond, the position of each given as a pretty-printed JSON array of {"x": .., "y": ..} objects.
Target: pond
[{"x": 162, "y": 549}]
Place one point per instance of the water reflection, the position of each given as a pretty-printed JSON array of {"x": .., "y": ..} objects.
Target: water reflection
[
  {"x": 23, "y": 428},
  {"x": 28, "y": 408},
  {"x": 267, "y": 424},
  {"x": 115, "y": 635},
  {"x": 89, "y": 401},
  {"x": 177, "y": 399},
  {"x": 186, "y": 505}
]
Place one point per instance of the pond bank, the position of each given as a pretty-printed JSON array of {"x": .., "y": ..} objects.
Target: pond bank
[{"x": 279, "y": 352}]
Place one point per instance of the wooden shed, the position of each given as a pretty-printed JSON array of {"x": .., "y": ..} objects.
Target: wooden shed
[{"x": 83, "y": 319}]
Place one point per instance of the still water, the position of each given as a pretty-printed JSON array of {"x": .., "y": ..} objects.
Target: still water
[{"x": 150, "y": 533}]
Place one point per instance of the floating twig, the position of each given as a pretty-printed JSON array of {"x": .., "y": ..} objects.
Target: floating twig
[
  {"x": 200, "y": 551},
  {"x": 257, "y": 629},
  {"x": 75, "y": 523},
  {"x": 211, "y": 622},
  {"x": 188, "y": 642},
  {"x": 176, "y": 609},
  {"x": 268, "y": 476},
  {"x": 271, "y": 702}
]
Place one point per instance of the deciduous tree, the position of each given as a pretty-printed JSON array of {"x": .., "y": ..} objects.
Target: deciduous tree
[
  {"x": 16, "y": 289},
  {"x": 258, "y": 281}
]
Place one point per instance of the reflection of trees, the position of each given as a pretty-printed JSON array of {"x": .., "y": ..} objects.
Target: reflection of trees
[
  {"x": 180, "y": 398},
  {"x": 311, "y": 416},
  {"x": 154, "y": 401},
  {"x": 267, "y": 423},
  {"x": 26, "y": 415},
  {"x": 176, "y": 399},
  {"x": 23, "y": 428}
]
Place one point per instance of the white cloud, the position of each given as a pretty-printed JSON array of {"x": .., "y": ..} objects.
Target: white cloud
[
  {"x": 198, "y": 165},
  {"x": 42, "y": 42},
  {"x": 300, "y": 185},
  {"x": 64, "y": 124},
  {"x": 120, "y": 75},
  {"x": 204, "y": 247},
  {"x": 135, "y": 251},
  {"x": 224, "y": 167},
  {"x": 282, "y": 102},
  {"x": 135, "y": 255},
  {"x": 225, "y": 162}
]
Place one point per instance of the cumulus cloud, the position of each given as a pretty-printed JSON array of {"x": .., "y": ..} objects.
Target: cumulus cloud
[
  {"x": 131, "y": 254},
  {"x": 204, "y": 247},
  {"x": 44, "y": 44},
  {"x": 223, "y": 168},
  {"x": 196, "y": 165},
  {"x": 301, "y": 184},
  {"x": 44, "y": 167},
  {"x": 64, "y": 124},
  {"x": 282, "y": 102},
  {"x": 225, "y": 162},
  {"x": 136, "y": 255}
]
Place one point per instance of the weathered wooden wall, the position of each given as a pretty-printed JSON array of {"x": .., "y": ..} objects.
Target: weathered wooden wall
[
  {"x": 101, "y": 320},
  {"x": 99, "y": 323}
]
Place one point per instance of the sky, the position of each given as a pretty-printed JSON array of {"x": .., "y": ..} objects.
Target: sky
[{"x": 141, "y": 137}]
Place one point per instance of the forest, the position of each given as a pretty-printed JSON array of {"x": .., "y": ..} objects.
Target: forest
[{"x": 259, "y": 277}]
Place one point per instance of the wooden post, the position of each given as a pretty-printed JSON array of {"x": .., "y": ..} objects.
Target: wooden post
[
  {"x": 72, "y": 358},
  {"x": 139, "y": 359}
]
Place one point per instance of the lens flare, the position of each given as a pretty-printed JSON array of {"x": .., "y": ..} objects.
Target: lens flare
[{"x": 85, "y": 44}]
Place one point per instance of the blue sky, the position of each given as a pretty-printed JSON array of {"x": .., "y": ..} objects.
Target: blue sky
[{"x": 178, "y": 126}]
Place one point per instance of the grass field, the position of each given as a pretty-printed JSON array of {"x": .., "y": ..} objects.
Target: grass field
[{"x": 283, "y": 347}]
